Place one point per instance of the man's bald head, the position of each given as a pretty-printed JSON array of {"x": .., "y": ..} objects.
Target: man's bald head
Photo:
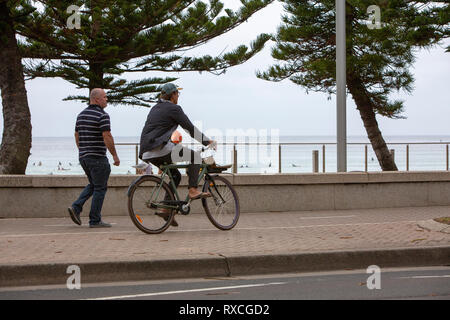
[{"x": 98, "y": 97}]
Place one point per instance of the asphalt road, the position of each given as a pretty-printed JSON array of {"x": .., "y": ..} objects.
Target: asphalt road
[{"x": 411, "y": 283}]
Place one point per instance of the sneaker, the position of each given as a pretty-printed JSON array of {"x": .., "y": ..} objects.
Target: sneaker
[
  {"x": 101, "y": 224},
  {"x": 165, "y": 215},
  {"x": 75, "y": 216}
]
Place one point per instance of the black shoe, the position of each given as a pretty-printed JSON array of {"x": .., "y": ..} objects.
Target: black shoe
[
  {"x": 101, "y": 224},
  {"x": 75, "y": 216},
  {"x": 165, "y": 216}
]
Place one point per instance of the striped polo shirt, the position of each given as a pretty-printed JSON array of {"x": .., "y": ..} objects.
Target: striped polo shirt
[{"x": 91, "y": 122}]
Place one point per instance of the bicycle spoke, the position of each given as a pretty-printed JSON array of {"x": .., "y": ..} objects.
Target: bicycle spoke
[
  {"x": 146, "y": 191},
  {"x": 223, "y": 207}
]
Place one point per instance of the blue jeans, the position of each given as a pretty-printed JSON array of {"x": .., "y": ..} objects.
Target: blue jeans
[{"x": 97, "y": 170}]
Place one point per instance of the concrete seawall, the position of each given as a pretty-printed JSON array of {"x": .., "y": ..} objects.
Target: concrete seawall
[{"x": 49, "y": 196}]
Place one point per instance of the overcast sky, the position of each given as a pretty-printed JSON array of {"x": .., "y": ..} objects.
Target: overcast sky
[{"x": 239, "y": 100}]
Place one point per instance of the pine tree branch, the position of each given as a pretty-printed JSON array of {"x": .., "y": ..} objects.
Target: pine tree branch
[{"x": 114, "y": 34}]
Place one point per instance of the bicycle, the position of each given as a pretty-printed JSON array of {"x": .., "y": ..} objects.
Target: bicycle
[{"x": 149, "y": 193}]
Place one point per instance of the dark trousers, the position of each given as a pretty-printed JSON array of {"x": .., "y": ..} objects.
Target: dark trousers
[
  {"x": 192, "y": 170},
  {"x": 97, "y": 170}
]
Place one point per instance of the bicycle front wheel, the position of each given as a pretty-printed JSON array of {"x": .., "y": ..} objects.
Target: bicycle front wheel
[
  {"x": 222, "y": 208},
  {"x": 145, "y": 197}
]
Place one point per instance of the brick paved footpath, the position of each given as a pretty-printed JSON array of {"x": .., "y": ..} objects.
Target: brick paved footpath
[{"x": 59, "y": 241}]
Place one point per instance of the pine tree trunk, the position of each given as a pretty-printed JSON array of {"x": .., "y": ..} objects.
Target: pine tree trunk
[
  {"x": 16, "y": 139},
  {"x": 95, "y": 68},
  {"x": 96, "y": 75},
  {"x": 364, "y": 105}
]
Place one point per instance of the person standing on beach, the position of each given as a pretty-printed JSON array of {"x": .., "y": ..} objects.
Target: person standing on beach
[{"x": 93, "y": 137}]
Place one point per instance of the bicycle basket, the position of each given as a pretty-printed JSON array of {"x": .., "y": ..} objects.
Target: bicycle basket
[
  {"x": 209, "y": 160},
  {"x": 214, "y": 168}
]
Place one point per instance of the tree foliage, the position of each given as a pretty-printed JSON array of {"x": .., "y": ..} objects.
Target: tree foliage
[
  {"x": 119, "y": 37},
  {"x": 381, "y": 59}
]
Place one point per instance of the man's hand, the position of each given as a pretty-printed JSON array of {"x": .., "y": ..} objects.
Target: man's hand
[
  {"x": 109, "y": 142},
  {"x": 213, "y": 144},
  {"x": 116, "y": 160}
]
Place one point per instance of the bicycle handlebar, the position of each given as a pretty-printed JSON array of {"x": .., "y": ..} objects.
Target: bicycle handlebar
[{"x": 212, "y": 146}]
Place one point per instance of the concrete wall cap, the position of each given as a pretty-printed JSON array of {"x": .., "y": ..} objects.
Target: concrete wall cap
[{"x": 53, "y": 181}]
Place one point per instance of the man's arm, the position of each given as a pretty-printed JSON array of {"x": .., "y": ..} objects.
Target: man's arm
[
  {"x": 77, "y": 139},
  {"x": 109, "y": 143},
  {"x": 182, "y": 119}
]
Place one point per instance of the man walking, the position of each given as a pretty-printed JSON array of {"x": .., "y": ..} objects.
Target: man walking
[{"x": 93, "y": 137}]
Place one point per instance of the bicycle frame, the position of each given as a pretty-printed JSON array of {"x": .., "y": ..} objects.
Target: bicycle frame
[{"x": 166, "y": 172}]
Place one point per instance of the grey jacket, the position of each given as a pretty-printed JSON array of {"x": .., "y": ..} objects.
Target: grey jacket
[{"x": 162, "y": 121}]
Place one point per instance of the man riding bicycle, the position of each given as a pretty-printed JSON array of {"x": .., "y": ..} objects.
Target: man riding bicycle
[{"x": 157, "y": 148}]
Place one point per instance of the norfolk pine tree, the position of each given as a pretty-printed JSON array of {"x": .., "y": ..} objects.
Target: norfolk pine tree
[
  {"x": 119, "y": 37},
  {"x": 16, "y": 138},
  {"x": 378, "y": 59}
]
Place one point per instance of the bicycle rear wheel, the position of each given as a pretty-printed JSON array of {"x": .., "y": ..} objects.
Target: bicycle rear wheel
[
  {"x": 222, "y": 208},
  {"x": 144, "y": 196}
]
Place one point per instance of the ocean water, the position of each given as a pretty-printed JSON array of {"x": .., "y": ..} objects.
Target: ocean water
[{"x": 59, "y": 155}]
